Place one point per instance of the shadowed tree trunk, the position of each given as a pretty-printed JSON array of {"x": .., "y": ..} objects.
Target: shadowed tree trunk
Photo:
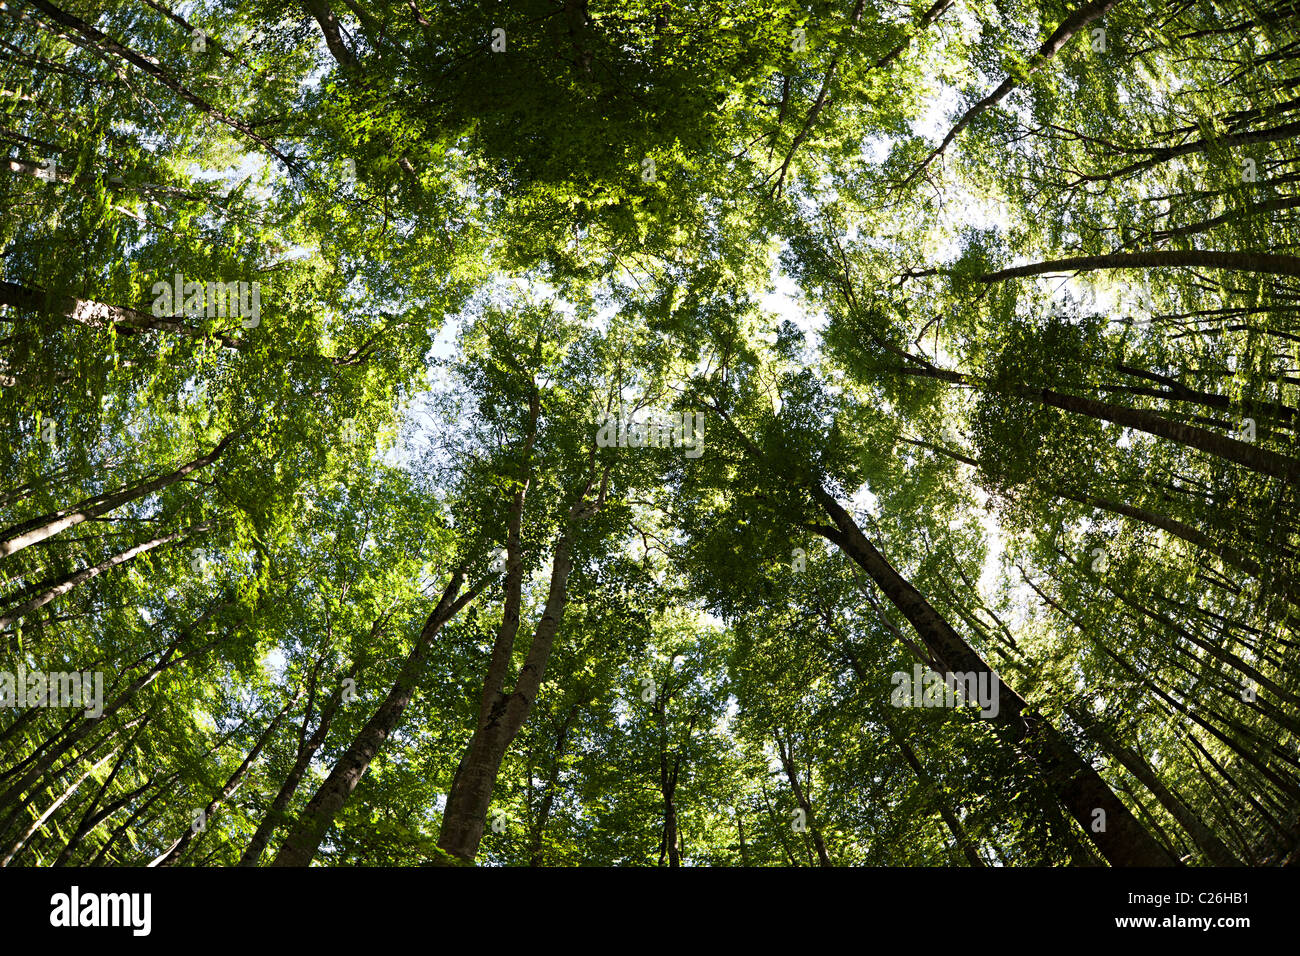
[
  {"x": 1266, "y": 263},
  {"x": 948, "y": 815},
  {"x": 94, "y": 815},
  {"x": 59, "y": 801},
  {"x": 317, "y": 817},
  {"x": 1080, "y": 789},
  {"x": 14, "y": 539},
  {"x": 307, "y": 749},
  {"x": 88, "y": 725},
  {"x": 174, "y": 852},
  {"x": 1071, "y": 25},
  {"x": 785, "y": 750},
  {"x": 50, "y": 590},
  {"x": 502, "y": 714},
  {"x": 548, "y": 796},
  {"x": 1213, "y": 848},
  {"x": 1230, "y": 449}
]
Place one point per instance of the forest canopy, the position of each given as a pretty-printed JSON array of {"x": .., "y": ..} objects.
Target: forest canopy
[{"x": 649, "y": 433}]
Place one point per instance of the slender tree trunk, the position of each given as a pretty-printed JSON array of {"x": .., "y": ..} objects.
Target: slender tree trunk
[
  {"x": 105, "y": 45},
  {"x": 1231, "y": 449},
  {"x": 61, "y": 586},
  {"x": 927, "y": 782},
  {"x": 502, "y": 715},
  {"x": 1233, "y": 214},
  {"x": 1198, "y": 716},
  {"x": 126, "y": 825},
  {"x": 1209, "y": 647},
  {"x": 174, "y": 852},
  {"x": 1164, "y": 154},
  {"x": 1230, "y": 556},
  {"x": 104, "y": 814},
  {"x": 252, "y": 854},
  {"x": 63, "y": 798},
  {"x": 668, "y": 790},
  {"x": 785, "y": 750},
  {"x": 93, "y": 815},
  {"x": 25, "y": 491},
  {"x": 1080, "y": 789},
  {"x": 1070, "y": 26},
  {"x": 89, "y": 725},
  {"x": 13, "y": 540},
  {"x": 548, "y": 798},
  {"x": 317, "y": 817},
  {"x": 950, "y": 818},
  {"x": 1176, "y": 707},
  {"x": 1266, "y": 263},
  {"x": 1209, "y": 844},
  {"x": 1243, "y": 453},
  {"x": 471, "y": 790},
  {"x": 1229, "y": 814}
]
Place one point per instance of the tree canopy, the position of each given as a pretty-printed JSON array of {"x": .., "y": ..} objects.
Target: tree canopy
[{"x": 652, "y": 433}]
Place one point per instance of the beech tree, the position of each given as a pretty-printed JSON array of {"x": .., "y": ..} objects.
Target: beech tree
[{"x": 570, "y": 433}]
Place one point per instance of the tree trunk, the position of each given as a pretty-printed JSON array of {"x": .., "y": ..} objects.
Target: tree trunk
[
  {"x": 1209, "y": 844},
  {"x": 93, "y": 815},
  {"x": 252, "y": 854},
  {"x": 548, "y": 798},
  {"x": 100, "y": 315},
  {"x": 14, "y": 539},
  {"x": 950, "y": 818},
  {"x": 1080, "y": 789},
  {"x": 1260, "y": 262},
  {"x": 49, "y": 811},
  {"x": 1070, "y": 26},
  {"x": 305, "y": 837},
  {"x": 1231, "y": 449},
  {"x": 173, "y": 854},
  {"x": 786, "y": 752},
  {"x": 669, "y": 845},
  {"x": 102, "y": 42},
  {"x": 61, "y": 586},
  {"x": 1243, "y": 453},
  {"x": 126, "y": 825},
  {"x": 499, "y": 722},
  {"x": 89, "y": 725}
]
